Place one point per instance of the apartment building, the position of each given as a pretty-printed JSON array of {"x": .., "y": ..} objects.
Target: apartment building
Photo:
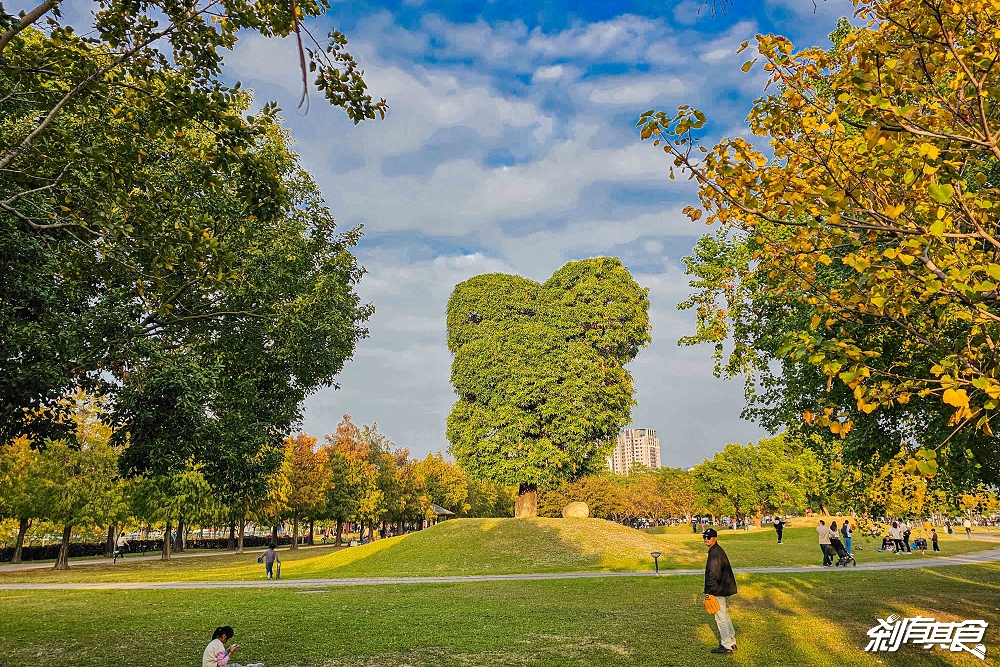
[{"x": 635, "y": 446}]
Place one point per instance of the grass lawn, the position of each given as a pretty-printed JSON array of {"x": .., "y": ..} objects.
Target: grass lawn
[
  {"x": 494, "y": 546},
  {"x": 813, "y": 619}
]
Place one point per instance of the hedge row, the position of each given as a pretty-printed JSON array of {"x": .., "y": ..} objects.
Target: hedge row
[{"x": 83, "y": 549}]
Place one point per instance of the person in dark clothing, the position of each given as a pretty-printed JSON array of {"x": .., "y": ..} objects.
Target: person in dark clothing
[
  {"x": 779, "y": 527},
  {"x": 934, "y": 539},
  {"x": 270, "y": 556},
  {"x": 720, "y": 582}
]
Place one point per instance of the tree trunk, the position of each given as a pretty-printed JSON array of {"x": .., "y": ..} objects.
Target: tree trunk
[
  {"x": 165, "y": 554},
  {"x": 295, "y": 531},
  {"x": 231, "y": 543},
  {"x": 310, "y": 541},
  {"x": 109, "y": 544},
  {"x": 22, "y": 528},
  {"x": 62, "y": 560},
  {"x": 339, "y": 540},
  {"x": 526, "y": 505},
  {"x": 274, "y": 533},
  {"x": 243, "y": 530},
  {"x": 179, "y": 540}
]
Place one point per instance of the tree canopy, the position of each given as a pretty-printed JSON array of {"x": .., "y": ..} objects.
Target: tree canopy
[
  {"x": 539, "y": 371},
  {"x": 860, "y": 248},
  {"x": 142, "y": 207}
]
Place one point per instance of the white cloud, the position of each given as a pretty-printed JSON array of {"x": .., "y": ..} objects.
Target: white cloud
[
  {"x": 533, "y": 174},
  {"x": 550, "y": 73},
  {"x": 636, "y": 91},
  {"x": 725, "y": 47}
]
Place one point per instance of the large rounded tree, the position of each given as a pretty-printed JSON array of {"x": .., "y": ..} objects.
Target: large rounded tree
[{"x": 539, "y": 371}]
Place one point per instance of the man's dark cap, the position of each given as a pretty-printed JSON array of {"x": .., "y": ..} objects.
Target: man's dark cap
[{"x": 709, "y": 532}]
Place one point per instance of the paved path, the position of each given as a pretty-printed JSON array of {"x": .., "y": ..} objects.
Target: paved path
[
  {"x": 77, "y": 562},
  {"x": 902, "y": 563}
]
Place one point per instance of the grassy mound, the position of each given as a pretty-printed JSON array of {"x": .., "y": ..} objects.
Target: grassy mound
[{"x": 486, "y": 546}]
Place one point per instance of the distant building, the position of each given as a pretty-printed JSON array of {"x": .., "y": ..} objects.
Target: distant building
[{"x": 635, "y": 446}]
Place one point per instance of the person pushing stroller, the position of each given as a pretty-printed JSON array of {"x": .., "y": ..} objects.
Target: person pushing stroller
[{"x": 844, "y": 557}]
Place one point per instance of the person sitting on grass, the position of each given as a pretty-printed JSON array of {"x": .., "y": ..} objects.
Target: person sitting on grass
[{"x": 217, "y": 655}]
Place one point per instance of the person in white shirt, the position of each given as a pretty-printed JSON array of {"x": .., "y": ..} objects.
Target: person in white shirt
[
  {"x": 121, "y": 546},
  {"x": 217, "y": 655},
  {"x": 897, "y": 537}
]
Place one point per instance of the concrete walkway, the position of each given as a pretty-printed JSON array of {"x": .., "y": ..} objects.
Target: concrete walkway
[
  {"x": 903, "y": 563},
  {"x": 79, "y": 562}
]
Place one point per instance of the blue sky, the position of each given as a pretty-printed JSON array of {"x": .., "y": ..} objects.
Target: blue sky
[{"x": 510, "y": 146}]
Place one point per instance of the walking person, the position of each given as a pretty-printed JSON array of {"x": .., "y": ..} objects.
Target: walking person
[
  {"x": 121, "y": 546},
  {"x": 947, "y": 524},
  {"x": 779, "y": 527},
  {"x": 904, "y": 527},
  {"x": 824, "y": 543},
  {"x": 269, "y": 557},
  {"x": 217, "y": 655},
  {"x": 934, "y": 539},
  {"x": 968, "y": 527},
  {"x": 720, "y": 586},
  {"x": 847, "y": 531}
]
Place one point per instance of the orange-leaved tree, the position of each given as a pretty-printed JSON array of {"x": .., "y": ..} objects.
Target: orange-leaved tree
[{"x": 305, "y": 469}]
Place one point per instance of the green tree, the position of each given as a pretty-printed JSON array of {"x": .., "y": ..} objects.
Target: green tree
[
  {"x": 228, "y": 392},
  {"x": 539, "y": 371},
  {"x": 677, "y": 488},
  {"x": 20, "y": 483},
  {"x": 106, "y": 243},
  {"x": 775, "y": 475},
  {"x": 78, "y": 479},
  {"x": 487, "y": 499},
  {"x": 444, "y": 483},
  {"x": 164, "y": 499}
]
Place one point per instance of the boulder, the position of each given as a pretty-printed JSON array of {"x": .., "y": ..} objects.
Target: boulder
[{"x": 576, "y": 510}]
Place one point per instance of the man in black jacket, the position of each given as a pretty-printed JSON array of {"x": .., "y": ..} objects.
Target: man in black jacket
[{"x": 720, "y": 582}]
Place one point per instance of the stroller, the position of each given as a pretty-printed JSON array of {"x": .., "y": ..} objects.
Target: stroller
[{"x": 843, "y": 557}]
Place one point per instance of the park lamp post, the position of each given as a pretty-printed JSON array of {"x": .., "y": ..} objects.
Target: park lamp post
[{"x": 656, "y": 560}]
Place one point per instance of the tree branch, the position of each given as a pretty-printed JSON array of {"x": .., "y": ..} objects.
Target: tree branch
[{"x": 26, "y": 20}]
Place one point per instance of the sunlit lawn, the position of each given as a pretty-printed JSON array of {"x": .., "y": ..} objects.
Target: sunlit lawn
[
  {"x": 807, "y": 619},
  {"x": 494, "y": 546}
]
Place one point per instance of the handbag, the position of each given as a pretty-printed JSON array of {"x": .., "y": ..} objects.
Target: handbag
[
  {"x": 711, "y": 604},
  {"x": 260, "y": 558}
]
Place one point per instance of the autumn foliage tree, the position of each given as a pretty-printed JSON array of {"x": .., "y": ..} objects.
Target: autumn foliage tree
[
  {"x": 868, "y": 227},
  {"x": 305, "y": 469}
]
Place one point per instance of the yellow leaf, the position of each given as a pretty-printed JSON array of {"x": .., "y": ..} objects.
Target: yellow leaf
[
  {"x": 956, "y": 397},
  {"x": 894, "y": 211}
]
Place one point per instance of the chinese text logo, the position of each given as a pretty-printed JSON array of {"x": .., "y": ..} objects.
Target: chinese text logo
[{"x": 892, "y": 632}]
